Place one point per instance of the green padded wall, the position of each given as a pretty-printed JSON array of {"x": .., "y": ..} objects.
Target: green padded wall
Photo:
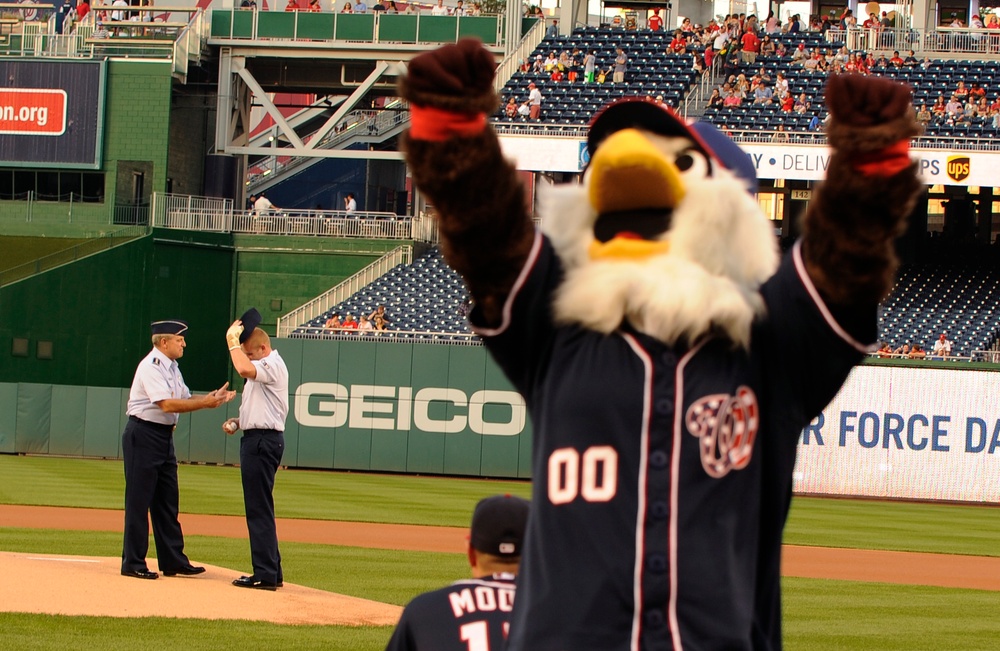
[
  {"x": 222, "y": 23},
  {"x": 355, "y": 27},
  {"x": 8, "y": 418},
  {"x": 291, "y": 278},
  {"x": 438, "y": 29},
  {"x": 482, "y": 27},
  {"x": 90, "y": 312},
  {"x": 316, "y": 27},
  {"x": 276, "y": 24},
  {"x": 397, "y": 28},
  {"x": 242, "y": 24},
  {"x": 34, "y": 413}
]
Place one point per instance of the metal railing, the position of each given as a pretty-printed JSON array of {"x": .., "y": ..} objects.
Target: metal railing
[
  {"x": 388, "y": 336},
  {"x": 325, "y": 301},
  {"x": 423, "y": 228},
  {"x": 331, "y": 223},
  {"x": 130, "y": 214},
  {"x": 189, "y": 44},
  {"x": 427, "y": 29},
  {"x": 524, "y": 48},
  {"x": 937, "y": 40},
  {"x": 59, "y": 258},
  {"x": 191, "y": 213},
  {"x": 181, "y": 41}
]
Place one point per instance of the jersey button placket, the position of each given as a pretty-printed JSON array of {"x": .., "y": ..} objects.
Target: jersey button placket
[{"x": 656, "y": 565}]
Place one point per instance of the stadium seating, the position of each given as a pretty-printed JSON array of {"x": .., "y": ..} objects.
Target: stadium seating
[
  {"x": 929, "y": 300},
  {"x": 651, "y": 71},
  {"x": 941, "y": 78},
  {"x": 423, "y": 300}
]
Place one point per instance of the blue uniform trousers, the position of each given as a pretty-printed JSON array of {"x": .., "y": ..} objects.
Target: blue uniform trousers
[
  {"x": 151, "y": 494},
  {"x": 260, "y": 455}
]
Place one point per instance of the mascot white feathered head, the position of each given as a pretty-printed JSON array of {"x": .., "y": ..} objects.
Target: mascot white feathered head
[{"x": 663, "y": 232}]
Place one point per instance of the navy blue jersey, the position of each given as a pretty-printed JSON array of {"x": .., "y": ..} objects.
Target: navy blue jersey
[
  {"x": 662, "y": 475},
  {"x": 469, "y": 615}
]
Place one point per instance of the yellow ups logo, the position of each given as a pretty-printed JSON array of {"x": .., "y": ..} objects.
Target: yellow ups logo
[{"x": 958, "y": 167}]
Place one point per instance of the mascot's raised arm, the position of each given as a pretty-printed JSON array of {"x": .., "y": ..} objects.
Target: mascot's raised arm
[{"x": 656, "y": 335}]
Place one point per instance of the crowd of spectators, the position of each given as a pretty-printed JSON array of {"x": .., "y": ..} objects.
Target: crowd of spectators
[
  {"x": 942, "y": 348},
  {"x": 370, "y": 324},
  {"x": 379, "y": 6}
]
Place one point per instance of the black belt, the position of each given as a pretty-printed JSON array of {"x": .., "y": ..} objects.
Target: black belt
[
  {"x": 260, "y": 430},
  {"x": 160, "y": 427}
]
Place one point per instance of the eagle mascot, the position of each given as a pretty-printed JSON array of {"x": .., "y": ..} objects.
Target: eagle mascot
[{"x": 669, "y": 355}]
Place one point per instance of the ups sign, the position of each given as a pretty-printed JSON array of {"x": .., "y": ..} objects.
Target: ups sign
[{"x": 958, "y": 167}]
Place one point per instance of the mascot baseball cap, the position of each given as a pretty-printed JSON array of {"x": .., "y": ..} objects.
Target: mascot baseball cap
[
  {"x": 498, "y": 525},
  {"x": 169, "y": 327},
  {"x": 251, "y": 319},
  {"x": 640, "y": 113}
]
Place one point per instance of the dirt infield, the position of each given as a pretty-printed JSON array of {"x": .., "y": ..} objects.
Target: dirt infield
[
  {"x": 100, "y": 590},
  {"x": 79, "y": 585}
]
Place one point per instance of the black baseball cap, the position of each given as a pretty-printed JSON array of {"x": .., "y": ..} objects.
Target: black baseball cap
[
  {"x": 498, "y": 525},
  {"x": 251, "y": 319},
  {"x": 640, "y": 113}
]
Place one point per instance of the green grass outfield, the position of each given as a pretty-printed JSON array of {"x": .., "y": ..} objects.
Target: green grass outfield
[{"x": 820, "y": 615}]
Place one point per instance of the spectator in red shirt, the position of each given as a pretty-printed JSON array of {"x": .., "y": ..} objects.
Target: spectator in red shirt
[
  {"x": 679, "y": 44},
  {"x": 349, "y": 323},
  {"x": 654, "y": 22},
  {"x": 82, "y": 9},
  {"x": 896, "y": 60},
  {"x": 751, "y": 46}
]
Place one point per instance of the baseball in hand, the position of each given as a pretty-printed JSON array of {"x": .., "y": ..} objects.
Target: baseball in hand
[{"x": 230, "y": 426}]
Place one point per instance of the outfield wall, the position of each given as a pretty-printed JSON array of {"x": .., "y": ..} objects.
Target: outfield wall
[
  {"x": 895, "y": 431},
  {"x": 901, "y": 432}
]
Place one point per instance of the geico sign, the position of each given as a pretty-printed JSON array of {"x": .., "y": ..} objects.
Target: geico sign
[{"x": 372, "y": 406}]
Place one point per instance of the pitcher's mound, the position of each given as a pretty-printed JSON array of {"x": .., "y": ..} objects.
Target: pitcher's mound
[{"x": 81, "y": 585}]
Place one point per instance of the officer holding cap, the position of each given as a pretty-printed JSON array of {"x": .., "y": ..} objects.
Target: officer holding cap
[
  {"x": 262, "y": 417},
  {"x": 473, "y": 613},
  {"x": 157, "y": 396}
]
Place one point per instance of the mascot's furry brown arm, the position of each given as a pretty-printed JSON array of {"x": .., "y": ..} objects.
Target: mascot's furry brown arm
[
  {"x": 486, "y": 230},
  {"x": 848, "y": 231}
]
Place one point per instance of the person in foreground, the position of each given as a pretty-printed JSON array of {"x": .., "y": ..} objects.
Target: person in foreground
[
  {"x": 262, "y": 416},
  {"x": 649, "y": 324},
  {"x": 472, "y": 613},
  {"x": 157, "y": 397}
]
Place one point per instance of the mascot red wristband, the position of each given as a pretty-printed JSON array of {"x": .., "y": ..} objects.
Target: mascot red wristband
[
  {"x": 429, "y": 123},
  {"x": 885, "y": 162}
]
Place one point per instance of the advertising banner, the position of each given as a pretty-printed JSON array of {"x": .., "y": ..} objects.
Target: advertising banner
[
  {"x": 785, "y": 161},
  {"x": 52, "y": 113},
  {"x": 915, "y": 433}
]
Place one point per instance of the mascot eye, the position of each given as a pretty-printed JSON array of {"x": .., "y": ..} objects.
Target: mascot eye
[{"x": 692, "y": 160}]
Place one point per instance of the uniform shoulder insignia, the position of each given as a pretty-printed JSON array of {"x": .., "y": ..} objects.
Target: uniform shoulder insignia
[
  {"x": 156, "y": 361},
  {"x": 264, "y": 364}
]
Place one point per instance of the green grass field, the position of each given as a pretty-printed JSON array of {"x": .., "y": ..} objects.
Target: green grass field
[{"x": 820, "y": 615}]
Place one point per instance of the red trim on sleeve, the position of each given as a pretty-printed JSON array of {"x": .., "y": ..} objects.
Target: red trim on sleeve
[
  {"x": 430, "y": 123},
  {"x": 885, "y": 162}
]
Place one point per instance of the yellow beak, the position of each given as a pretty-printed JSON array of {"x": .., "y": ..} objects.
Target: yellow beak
[{"x": 628, "y": 172}]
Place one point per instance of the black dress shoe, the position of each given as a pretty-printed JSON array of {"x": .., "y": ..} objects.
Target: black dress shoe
[
  {"x": 140, "y": 574},
  {"x": 256, "y": 584},
  {"x": 189, "y": 570}
]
